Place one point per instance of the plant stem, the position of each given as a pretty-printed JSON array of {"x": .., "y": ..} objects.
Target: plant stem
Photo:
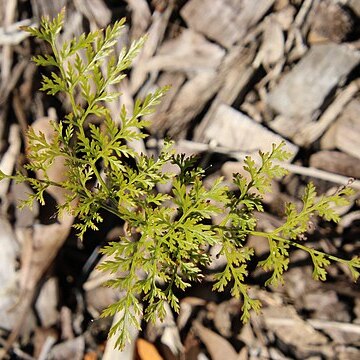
[{"x": 299, "y": 246}]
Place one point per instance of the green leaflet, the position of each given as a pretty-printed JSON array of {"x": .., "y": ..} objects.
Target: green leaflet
[{"x": 167, "y": 236}]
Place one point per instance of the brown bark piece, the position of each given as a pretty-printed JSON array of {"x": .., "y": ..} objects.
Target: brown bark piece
[
  {"x": 329, "y": 23},
  {"x": 147, "y": 351},
  {"x": 354, "y": 6}
]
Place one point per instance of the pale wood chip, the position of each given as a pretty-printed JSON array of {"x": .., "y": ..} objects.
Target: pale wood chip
[
  {"x": 47, "y": 8},
  {"x": 8, "y": 278},
  {"x": 140, "y": 17},
  {"x": 8, "y": 160},
  {"x": 314, "y": 130},
  {"x": 189, "y": 101},
  {"x": 236, "y": 131},
  {"x": 218, "y": 347},
  {"x": 348, "y": 128},
  {"x": 156, "y": 34},
  {"x": 302, "y": 92},
  {"x": 188, "y": 52},
  {"x": 234, "y": 75},
  {"x": 287, "y": 326},
  {"x": 336, "y": 162},
  {"x": 226, "y": 21},
  {"x": 71, "y": 349},
  {"x": 98, "y": 14},
  {"x": 112, "y": 353},
  {"x": 12, "y": 35},
  {"x": 272, "y": 46}
]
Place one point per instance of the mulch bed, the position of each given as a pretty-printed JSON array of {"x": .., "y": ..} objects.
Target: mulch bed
[{"x": 243, "y": 74}]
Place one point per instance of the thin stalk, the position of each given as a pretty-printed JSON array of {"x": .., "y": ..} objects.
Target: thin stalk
[{"x": 299, "y": 246}]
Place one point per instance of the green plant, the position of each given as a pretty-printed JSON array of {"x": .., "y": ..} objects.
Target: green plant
[{"x": 167, "y": 235}]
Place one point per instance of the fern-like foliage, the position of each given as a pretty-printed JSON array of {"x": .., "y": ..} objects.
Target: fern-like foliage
[{"x": 166, "y": 240}]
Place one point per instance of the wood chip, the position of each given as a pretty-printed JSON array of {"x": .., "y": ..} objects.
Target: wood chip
[
  {"x": 314, "y": 130},
  {"x": 112, "y": 353},
  {"x": 236, "y": 131},
  {"x": 12, "y": 35},
  {"x": 330, "y": 22},
  {"x": 47, "y": 8},
  {"x": 98, "y": 14},
  {"x": 9, "y": 15},
  {"x": 343, "y": 332},
  {"x": 8, "y": 284},
  {"x": 348, "y": 353},
  {"x": 167, "y": 331},
  {"x": 272, "y": 46},
  {"x": 285, "y": 17},
  {"x": 156, "y": 34},
  {"x": 226, "y": 21},
  {"x": 303, "y": 91},
  {"x": 347, "y": 130},
  {"x": 224, "y": 313},
  {"x": 336, "y": 162},
  {"x": 140, "y": 17},
  {"x": 218, "y": 347},
  {"x": 354, "y": 6},
  {"x": 326, "y": 305},
  {"x": 44, "y": 340},
  {"x": 8, "y": 160},
  {"x": 57, "y": 171},
  {"x": 71, "y": 349},
  {"x": 40, "y": 246},
  {"x": 234, "y": 75},
  {"x": 46, "y": 304},
  {"x": 188, "y": 52},
  {"x": 287, "y": 325},
  {"x": 190, "y": 100},
  {"x": 25, "y": 216},
  {"x": 173, "y": 79}
]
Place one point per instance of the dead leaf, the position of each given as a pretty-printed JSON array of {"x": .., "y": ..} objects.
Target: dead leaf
[{"x": 147, "y": 351}]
